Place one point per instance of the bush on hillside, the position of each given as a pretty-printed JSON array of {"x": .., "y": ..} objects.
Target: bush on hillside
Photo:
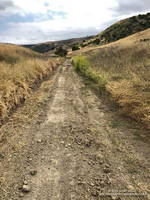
[
  {"x": 96, "y": 41},
  {"x": 61, "y": 52},
  {"x": 75, "y": 47},
  {"x": 83, "y": 45}
]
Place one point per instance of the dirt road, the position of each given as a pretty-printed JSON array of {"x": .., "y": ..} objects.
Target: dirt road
[{"x": 66, "y": 144}]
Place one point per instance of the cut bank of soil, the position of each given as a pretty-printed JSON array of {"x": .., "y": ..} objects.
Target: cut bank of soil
[{"x": 80, "y": 148}]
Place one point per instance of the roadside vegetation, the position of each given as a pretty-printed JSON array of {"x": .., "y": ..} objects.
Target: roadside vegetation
[
  {"x": 82, "y": 66},
  {"x": 122, "y": 70},
  {"x": 21, "y": 70}
]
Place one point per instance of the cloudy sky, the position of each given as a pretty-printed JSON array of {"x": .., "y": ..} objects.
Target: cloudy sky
[{"x": 34, "y": 21}]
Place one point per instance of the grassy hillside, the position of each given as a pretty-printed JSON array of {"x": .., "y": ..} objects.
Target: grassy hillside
[
  {"x": 20, "y": 70},
  {"x": 121, "y": 69},
  {"x": 121, "y": 29}
]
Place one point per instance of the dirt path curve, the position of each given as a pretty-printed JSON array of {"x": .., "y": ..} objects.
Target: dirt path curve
[{"x": 73, "y": 148}]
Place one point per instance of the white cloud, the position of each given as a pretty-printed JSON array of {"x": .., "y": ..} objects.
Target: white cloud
[
  {"x": 134, "y": 6},
  {"x": 30, "y": 33},
  {"x": 59, "y": 19},
  {"x": 78, "y": 13},
  {"x": 69, "y": 6}
]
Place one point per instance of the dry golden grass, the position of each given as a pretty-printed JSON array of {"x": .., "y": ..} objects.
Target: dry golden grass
[
  {"x": 122, "y": 42},
  {"x": 126, "y": 64},
  {"x": 20, "y": 70}
]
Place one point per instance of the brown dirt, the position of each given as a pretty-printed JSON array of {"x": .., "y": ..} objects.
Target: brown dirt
[{"x": 80, "y": 147}]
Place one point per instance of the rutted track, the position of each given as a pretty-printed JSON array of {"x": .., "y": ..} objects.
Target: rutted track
[{"x": 76, "y": 152}]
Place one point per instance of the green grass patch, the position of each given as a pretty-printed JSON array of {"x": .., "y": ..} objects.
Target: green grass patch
[{"x": 82, "y": 66}]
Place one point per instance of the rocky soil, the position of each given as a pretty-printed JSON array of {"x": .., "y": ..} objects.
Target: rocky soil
[{"x": 65, "y": 143}]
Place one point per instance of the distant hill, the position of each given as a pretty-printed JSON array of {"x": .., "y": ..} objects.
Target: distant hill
[
  {"x": 51, "y": 46},
  {"x": 121, "y": 29},
  {"x": 115, "y": 32}
]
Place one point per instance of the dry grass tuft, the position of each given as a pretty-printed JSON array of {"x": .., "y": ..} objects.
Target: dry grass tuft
[
  {"x": 133, "y": 103},
  {"x": 20, "y": 70}
]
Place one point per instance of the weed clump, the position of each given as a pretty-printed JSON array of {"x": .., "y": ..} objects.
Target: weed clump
[{"x": 82, "y": 65}]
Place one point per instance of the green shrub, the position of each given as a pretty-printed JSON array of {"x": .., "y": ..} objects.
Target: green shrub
[
  {"x": 61, "y": 52},
  {"x": 96, "y": 41},
  {"x": 75, "y": 47},
  {"x": 83, "y": 45}
]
